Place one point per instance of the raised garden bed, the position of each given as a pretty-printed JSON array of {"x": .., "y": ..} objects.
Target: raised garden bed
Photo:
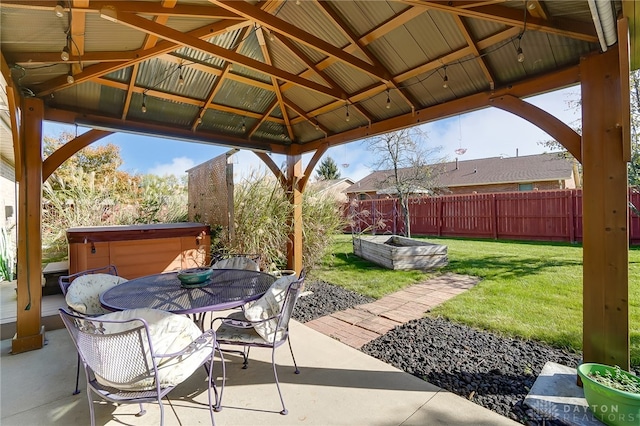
[{"x": 396, "y": 252}]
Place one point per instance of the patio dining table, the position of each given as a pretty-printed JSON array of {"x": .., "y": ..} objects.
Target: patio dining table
[{"x": 225, "y": 289}]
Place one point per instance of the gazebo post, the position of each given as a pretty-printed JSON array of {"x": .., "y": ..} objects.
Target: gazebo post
[
  {"x": 294, "y": 191},
  {"x": 605, "y": 211},
  {"x": 29, "y": 331}
]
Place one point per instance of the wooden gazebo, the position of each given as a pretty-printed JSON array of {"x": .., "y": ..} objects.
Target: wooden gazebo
[{"x": 300, "y": 76}]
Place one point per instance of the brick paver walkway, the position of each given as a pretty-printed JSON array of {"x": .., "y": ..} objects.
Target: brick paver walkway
[{"x": 363, "y": 323}]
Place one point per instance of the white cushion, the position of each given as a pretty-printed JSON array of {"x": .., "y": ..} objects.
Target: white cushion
[
  {"x": 269, "y": 305},
  {"x": 169, "y": 333},
  {"x": 83, "y": 295},
  {"x": 237, "y": 262}
]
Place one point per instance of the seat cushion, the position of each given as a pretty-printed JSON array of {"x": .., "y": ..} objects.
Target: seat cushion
[
  {"x": 83, "y": 294},
  {"x": 230, "y": 334},
  {"x": 169, "y": 333},
  {"x": 269, "y": 305}
]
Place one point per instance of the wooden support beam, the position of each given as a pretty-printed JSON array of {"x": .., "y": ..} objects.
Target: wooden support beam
[
  {"x": 294, "y": 245},
  {"x": 61, "y": 154},
  {"x": 312, "y": 163},
  {"x": 29, "y": 330},
  {"x": 605, "y": 214},
  {"x": 564, "y": 134},
  {"x": 274, "y": 168}
]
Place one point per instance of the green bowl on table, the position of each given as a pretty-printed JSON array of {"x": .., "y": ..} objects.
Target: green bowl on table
[{"x": 194, "y": 277}]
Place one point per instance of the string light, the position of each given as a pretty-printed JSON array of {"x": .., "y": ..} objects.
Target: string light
[
  {"x": 347, "y": 118},
  {"x": 445, "y": 79},
  {"x": 70, "y": 78},
  {"x": 388, "y": 100},
  {"x": 180, "y": 77},
  {"x": 317, "y": 125},
  {"x": 244, "y": 127},
  {"x": 520, "y": 55},
  {"x": 298, "y": 2},
  {"x": 144, "y": 104}
]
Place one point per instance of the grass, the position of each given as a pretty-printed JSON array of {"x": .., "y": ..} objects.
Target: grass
[{"x": 531, "y": 290}]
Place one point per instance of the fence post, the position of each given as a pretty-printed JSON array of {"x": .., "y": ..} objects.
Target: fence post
[
  {"x": 494, "y": 215},
  {"x": 570, "y": 218},
  {"x": 439, "y": 208}
]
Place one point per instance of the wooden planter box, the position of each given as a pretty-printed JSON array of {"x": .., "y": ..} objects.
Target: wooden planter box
[
  {"x": 138, "y": 250},
  {"x": 395, "y": 252}
]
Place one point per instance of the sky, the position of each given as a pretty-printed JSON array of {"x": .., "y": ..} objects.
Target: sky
[{"x": 490, "y": 132}]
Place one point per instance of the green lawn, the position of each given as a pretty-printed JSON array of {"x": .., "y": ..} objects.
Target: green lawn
[{"x": 530, "y": 290}]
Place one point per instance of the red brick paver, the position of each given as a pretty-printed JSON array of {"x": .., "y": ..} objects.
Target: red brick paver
[{"x": 361, "y": 324}]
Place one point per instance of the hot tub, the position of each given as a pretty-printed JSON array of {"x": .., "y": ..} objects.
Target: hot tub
[{"x": 138, "y": 250}]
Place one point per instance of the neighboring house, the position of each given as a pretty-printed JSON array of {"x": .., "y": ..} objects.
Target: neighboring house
[
  {"x": 332, "y": 187},
  {"x": 495, "y": 174}
]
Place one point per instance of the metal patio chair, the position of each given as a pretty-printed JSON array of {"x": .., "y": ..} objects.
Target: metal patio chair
[
  {"x": 140, "y": 355},
  {"x": 83, "y": 297},
  {"x": 264, "y": 324}
]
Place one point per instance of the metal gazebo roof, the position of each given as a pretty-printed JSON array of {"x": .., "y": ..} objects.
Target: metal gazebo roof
[{"x": 289, "y": 76}]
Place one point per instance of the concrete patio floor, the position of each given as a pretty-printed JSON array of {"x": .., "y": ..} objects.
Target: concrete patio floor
[{"x": 338, "y": 385}]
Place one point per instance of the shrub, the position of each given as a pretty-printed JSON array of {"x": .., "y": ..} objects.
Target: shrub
[{"x": 262, "y": 226}]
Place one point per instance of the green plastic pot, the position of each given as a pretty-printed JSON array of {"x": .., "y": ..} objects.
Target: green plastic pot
[{"x": 611, "y": 406}]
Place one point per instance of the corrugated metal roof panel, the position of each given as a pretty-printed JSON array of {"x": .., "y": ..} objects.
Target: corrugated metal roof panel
[
  {"x": 16, "y": 35},
  {"x": 103, "y": 35},
  {"x": 162, "y": 111},
  {"x": 123, "y": 75},
  {"x": 197, "y": 84},
  {"x": 445, "y": 29},
  {"x": 481, "y": 28},
  {"x": 363, "y": 19},
  {"x": 349, "y": 78},
  {"x": 188, "y": 24},
  {"x": 282, "y": 58},
  {"x": 244, "y": 97},
  {"x": 306, "y": 99},
  {"x": 309, "y": 18},
  {"x": 88, "y": 95}
]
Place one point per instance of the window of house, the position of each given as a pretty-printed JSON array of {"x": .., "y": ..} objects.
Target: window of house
[
  {"x": 362, "y": 196},
  {"x": 525, "y": 187}
]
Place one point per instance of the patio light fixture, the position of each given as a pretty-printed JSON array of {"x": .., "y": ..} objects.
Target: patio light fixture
[
  {"x": 70, "y": 78},
  {"x": 388, "y": 100},
  {"x": 445, "y": 79},
  {"x": 59, "y": 10},
  {"x": 64, "y": 55},
  {"x": 180, "y": 77},
  {"x": 347, "y": 118},
  {"x": 144, "y": 104}
]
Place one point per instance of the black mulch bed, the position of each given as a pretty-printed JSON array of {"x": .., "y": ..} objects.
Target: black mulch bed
[{"x": 493, "y": 371}]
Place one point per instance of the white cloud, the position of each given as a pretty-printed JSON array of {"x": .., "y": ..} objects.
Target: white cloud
[{"x": 177, "y": 167}]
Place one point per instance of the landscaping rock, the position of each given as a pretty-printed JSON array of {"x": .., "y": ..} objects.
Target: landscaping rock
[{"x": 493, "y": 371}]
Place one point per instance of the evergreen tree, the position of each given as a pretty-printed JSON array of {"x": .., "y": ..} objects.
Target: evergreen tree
[{"x": 328, "y": 170}]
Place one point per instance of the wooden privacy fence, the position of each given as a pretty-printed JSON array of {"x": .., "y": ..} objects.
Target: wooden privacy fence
[{"x": 533, "y": 215}]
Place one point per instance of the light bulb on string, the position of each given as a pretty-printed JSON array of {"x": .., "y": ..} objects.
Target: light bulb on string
[
  {"x": 144, "y": 104},
  {"x": 59, "y": 10},
  {"x": 317, "y": 125},
  {"x": 520, "y": 55},
  {"x": 388, "y": 100},
  {"x": 445, "y": 79},
  {"x": 64, "y": 55},
  {"x": 347, "y": 118},
  {"x": 244, "y": 127},
  {"x": 70, "y": 78},
  {"x": 180, "y": 77}
]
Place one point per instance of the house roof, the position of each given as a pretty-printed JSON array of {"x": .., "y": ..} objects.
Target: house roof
[
  {"x": 282, "y": 76},
  {"x": 485, "y": 171},
  {"x": 328, "y": 184}
]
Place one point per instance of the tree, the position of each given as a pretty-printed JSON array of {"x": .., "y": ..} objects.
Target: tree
[
  {"x": 328, "y": 170},
  {"x": 409, "y": 167}
]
